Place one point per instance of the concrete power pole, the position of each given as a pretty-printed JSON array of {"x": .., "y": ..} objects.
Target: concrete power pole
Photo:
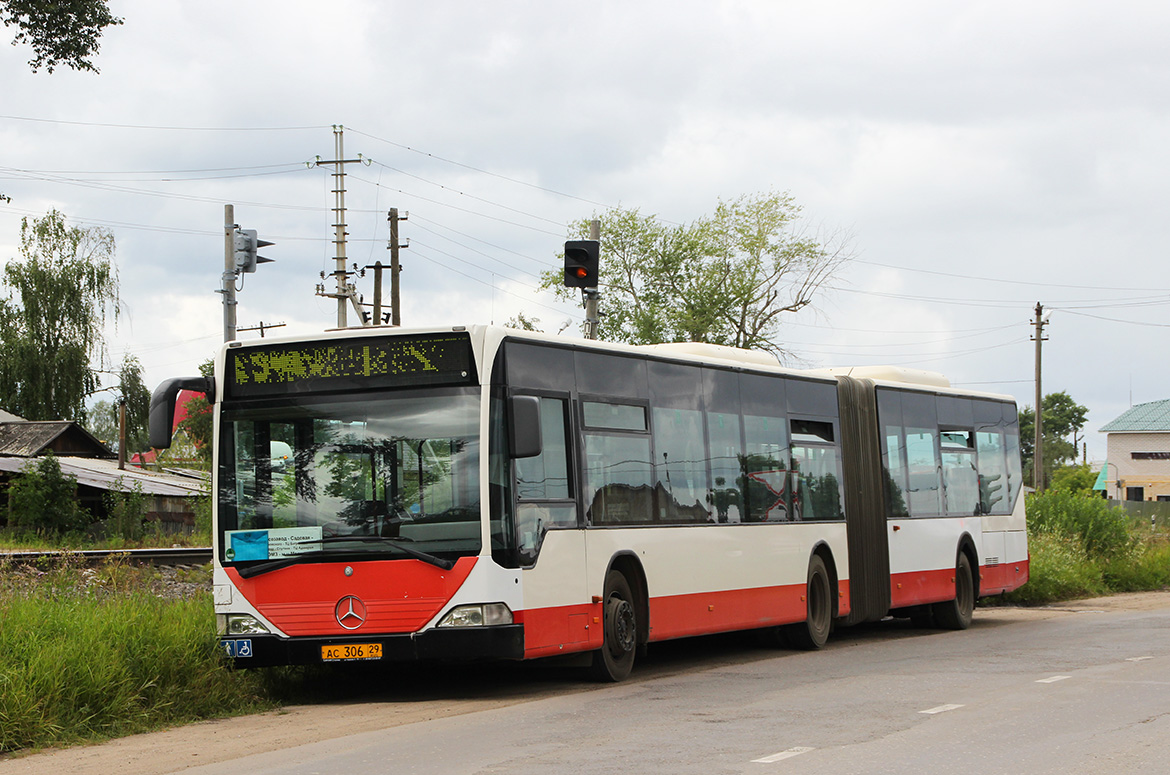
[
  {"x": 1038, "y": 442},
  {"x": 395, "y": 268},
  {"x": 345, "y": 292}
]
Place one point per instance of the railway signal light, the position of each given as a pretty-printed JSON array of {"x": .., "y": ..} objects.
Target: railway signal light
[
  {"x": 582, "y": 258},
  {"x": 247, "y": 243}
]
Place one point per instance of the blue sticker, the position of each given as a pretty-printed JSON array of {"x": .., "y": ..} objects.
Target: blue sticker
[{"x": 250, "y": 545}]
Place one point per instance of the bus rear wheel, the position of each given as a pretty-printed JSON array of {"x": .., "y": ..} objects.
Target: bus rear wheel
[
  {"x": 957, "y": 614},
  {"x": 615, "y": 659},
  {"x": 814, "y": 630}
]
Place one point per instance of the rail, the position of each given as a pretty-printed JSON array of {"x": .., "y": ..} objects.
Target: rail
[{"x": 184, "y": 555}]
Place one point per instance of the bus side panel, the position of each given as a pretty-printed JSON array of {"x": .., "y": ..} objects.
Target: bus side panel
[
  {"x": 725, "y": 577},
  {"x": 922, "y": 557},
  {"x": 558, "y": 609}
]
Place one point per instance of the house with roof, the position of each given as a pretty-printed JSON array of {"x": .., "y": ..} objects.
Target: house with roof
[
  {"x": 95, "y": 467},
  {"x": 1137, "y": 464}
]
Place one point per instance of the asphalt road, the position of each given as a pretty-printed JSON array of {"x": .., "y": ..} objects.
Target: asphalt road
[{"x": 1087, "y": 691}]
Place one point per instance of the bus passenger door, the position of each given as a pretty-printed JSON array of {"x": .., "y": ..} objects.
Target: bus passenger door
[{"x": 551, "y": 545}]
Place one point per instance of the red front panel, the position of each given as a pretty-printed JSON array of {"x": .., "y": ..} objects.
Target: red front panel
[{"x": 400, "y": 595}]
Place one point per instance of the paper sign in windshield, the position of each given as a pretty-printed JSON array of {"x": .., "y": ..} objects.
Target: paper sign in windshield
[{"x": 271, "y": 544}]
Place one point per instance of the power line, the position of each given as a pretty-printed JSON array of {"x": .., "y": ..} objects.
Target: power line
[
  {"x": 167, "y": 128},
  {"x": 481, "y": 171},
  {"x": 996, "y": 279}
]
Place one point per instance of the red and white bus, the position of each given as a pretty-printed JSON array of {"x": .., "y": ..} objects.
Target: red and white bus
[{"x": 485, "y": 493}]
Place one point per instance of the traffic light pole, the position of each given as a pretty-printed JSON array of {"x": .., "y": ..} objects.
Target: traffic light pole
[
  {"x": 592, "y": 295},
  {"x": 229, "y": 273}
]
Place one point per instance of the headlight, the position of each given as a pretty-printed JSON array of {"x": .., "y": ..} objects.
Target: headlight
[
  {"x": 239, "y": 624},
  {"x": 485, "y": 614}
]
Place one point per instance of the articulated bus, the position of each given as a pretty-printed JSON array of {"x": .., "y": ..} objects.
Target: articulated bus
[{"x": 483, "y": 493}]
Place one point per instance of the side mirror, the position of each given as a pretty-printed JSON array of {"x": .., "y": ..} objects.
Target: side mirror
[
  {"x": 162, "y": 406},
  {"x": 524, "y": 439}
]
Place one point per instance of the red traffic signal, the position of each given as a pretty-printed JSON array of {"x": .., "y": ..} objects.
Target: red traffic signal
[{"x": 582, "y": 258}]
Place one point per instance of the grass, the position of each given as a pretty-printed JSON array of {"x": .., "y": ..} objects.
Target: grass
[
  {"x": 89, "y": 654},
  {"x": 1081, "y": 547}
]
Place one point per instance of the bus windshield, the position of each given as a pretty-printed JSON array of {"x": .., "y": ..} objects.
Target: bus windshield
[{"x": 394, "y": 475}]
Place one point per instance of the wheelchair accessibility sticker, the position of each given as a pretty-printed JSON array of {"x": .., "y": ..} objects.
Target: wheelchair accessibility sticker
[{"x": 238, "y": 649}]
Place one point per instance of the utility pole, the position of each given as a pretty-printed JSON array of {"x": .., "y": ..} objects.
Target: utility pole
[
  {"x": 345, "y": 290},
  {"x": 1037, "y": 445},
  {"x": 263, "y": 327},
  {"x": 395, "y": 267}
]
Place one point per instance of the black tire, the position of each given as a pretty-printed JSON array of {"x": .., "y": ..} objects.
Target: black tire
[
  {"x": 814, "y": 630},
  {"x": 619, "y": 633},
  {"x": 957, "y": 614}
]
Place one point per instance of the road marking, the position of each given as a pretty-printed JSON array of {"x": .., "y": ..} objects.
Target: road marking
[
  {"x": 1138, "y": 659},
  {"x": 1053, "y": 679},
  {"x": 783, "y": 755},
  {"x": 940, "y": 709}
]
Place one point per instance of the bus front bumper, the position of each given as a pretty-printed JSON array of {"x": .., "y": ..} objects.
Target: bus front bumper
[{"x": 454, "y": 645}]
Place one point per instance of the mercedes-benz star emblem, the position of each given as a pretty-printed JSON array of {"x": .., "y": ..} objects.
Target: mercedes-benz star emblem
[{"x": 350, "y": 612}]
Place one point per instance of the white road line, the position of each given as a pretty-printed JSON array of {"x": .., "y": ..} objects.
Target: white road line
[
  {"x": 940, "y": 709},
  {"x": 783, "y": 755},
  {"x": 1138, "y": 659},
  {"x": 1053, "y": 679}
]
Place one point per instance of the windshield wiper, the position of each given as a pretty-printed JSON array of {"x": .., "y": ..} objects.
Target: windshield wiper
[{"x": 284, "y": 562}]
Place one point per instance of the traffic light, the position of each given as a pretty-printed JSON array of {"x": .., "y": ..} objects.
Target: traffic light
[
  {"x": 581, "y": 263},
  {"x": 246, "y": 244}
]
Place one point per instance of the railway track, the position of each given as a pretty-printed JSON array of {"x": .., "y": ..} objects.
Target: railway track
[{"x": 169, "y": 556}]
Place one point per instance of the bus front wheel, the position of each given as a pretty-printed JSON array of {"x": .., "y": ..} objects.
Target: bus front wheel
[
  {"x": 814, "y": 630},
  {"x": 957, "y": 614},
  {"x": 614, "y": 661}
]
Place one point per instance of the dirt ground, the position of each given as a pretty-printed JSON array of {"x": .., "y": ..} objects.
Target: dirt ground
[{"x": 207, "y": 742}]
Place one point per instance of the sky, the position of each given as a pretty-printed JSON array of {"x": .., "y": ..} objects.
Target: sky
[{"x": 978, "y": 157}]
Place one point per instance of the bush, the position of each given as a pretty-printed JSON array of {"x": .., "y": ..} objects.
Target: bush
[
  {"x": 127, "y": 509},
  {"x": 44, "y": 498},
  {"x": 1102, "y": 530},
  {"x": 1060, "y": 569}
]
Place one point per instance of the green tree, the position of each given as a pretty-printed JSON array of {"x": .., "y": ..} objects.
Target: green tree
[
  {"x": 58, "y": 300},
  {"x": 725, "y": 279},
  {"x": 1063, "y": 418},
  {"x": 42, "y": 497},
  {"x": 197, "y": 423},
  {"x": 1078, "y": 480},
  {"x": 61, "y": 32}
]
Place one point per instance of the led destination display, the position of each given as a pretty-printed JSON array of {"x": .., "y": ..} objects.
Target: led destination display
[{"x": 349, "y": 364}]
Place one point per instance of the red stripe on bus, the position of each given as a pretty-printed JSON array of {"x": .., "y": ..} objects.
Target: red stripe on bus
[
  {"x": 399, "y": 595},
  {"x": 935, "y": 586},
  {"x": 567, "y": 629}
]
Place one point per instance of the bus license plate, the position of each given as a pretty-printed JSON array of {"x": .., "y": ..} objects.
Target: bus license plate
[{"x": 351, "y": 651}]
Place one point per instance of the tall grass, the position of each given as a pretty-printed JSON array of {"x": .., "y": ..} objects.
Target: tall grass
[
  {"x": 86, "y": 655},
  {"x": 1081, "y": 547}
]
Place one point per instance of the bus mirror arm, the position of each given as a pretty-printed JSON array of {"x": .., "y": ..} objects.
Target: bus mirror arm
[
  {"x": 524, "y": 438},
  {"x": 162, "y": 406}
]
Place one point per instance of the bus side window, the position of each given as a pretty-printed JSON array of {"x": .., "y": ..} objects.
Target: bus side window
[
  {"x": 893, "y": 452},
  {"x": 960, "y": 477},
  {"x": 992, "y": 472},
  {"x": 765, "y": 469},
  {"x": 619, "y": 474},
  {"x": 816, "y": 472}
]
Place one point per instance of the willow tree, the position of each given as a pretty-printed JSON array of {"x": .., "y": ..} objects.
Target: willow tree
[
  {"x": 728, "y": 278},
  {"x": 56, "y": 302}
]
